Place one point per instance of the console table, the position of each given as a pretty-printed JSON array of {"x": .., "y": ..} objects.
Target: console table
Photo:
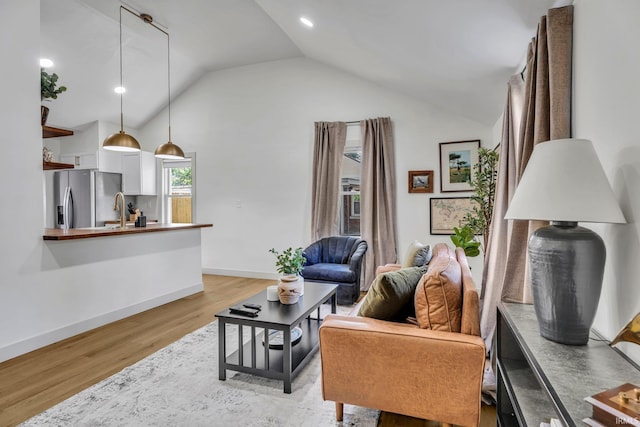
[{"x": 538, "y": 379}]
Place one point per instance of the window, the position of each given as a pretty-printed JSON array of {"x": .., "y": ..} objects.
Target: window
[
  {"x": 178, "y": 195},
  {"x": 350, "y": 184}
]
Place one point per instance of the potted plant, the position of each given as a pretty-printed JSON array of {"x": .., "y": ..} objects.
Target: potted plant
[
  {"x": 484, "y": 187},
  {"x": 465, "y": 239},
  {"x": 289, "y": 264},
  {"x": 49, "y": 89}
]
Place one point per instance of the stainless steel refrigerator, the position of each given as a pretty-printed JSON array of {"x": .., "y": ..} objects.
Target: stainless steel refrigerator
[{"x": 84, "y": 198}]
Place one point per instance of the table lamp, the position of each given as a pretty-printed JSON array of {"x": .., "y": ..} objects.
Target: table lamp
[{"x": 564, "y": 183}]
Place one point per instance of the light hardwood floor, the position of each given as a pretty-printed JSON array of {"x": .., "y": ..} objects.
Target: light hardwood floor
[{"x": 31, "y": 383}]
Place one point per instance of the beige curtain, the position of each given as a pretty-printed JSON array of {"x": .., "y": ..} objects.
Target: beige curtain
[
  {"x": 500, "y": 232},
  {"x": 328, "y": 151},
  {"x": 546, "y": 115},
  {"x": 378, "y": 195}
]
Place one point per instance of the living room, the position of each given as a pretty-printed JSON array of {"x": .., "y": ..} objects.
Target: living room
[{"x": 256, "y": 147}]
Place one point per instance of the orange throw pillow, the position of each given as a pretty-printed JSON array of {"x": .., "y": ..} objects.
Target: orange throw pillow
[{"x": 438, "y": 297}]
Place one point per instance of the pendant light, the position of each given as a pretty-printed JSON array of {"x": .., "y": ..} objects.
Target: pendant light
[
  {"x": 168, "y": 150},
  {"x": 121, "y": 141}
]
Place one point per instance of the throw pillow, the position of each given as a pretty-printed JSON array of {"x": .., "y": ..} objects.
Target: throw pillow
[
  {"x": 417, "y": 255},
  {"x": 438, "y": 296},
  {"x": 391, "y": 294}
]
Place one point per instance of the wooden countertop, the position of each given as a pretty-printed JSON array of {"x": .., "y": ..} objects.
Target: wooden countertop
[{"x": 85, "y": 233}]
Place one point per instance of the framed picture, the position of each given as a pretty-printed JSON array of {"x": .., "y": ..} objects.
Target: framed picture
[
  {"x": 456, "y": 164},
  {"x": 420, "y": 181},
  {"x": 447, "y": 213}
]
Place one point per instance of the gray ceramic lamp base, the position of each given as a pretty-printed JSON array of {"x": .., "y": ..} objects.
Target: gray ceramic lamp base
[{"x": 567, "y": 265}]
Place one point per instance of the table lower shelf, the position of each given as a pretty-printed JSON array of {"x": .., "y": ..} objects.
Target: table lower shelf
[{"x": 254, "y": 358}]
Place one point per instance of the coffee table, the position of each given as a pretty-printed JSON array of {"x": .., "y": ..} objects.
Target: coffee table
[{"x": 255, "y": 356}]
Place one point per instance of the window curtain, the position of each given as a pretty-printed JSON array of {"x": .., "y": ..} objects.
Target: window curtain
[
  {"x": 378, "y": 195},
  {"x": 546, "y": 115},
  {"x": 329, "y": 141}
]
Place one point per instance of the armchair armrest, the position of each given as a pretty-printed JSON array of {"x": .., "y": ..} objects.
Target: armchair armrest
[
  {"x": 356, "y": 257},
  {"x": 400, "y": 368}
]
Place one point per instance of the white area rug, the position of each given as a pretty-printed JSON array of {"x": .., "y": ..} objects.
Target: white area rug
[{"x": 179, "y": 386}]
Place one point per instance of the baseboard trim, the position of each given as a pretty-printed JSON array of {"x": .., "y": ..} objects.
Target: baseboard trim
[
  {"x": 39, "y": 341},
  {"x": 241, "y": 273}
]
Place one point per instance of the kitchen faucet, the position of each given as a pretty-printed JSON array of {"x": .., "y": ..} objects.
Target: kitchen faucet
[{"x": 123, "y": 220}]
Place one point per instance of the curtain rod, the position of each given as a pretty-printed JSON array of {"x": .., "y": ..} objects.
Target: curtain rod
[{"x": 353, "y": 122}]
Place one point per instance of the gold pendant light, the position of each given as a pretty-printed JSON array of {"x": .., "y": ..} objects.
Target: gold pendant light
[
  {"x": 168, "y": 150},
  {"x": 121, "y": 141}
]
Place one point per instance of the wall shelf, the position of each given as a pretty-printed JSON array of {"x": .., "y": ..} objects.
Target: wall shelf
[
  {"x": 52, "y": 132},
  {"x": 54, "y": 165}
]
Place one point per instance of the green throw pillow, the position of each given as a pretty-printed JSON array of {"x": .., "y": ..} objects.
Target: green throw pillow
[{"x": 390, "y": 296}]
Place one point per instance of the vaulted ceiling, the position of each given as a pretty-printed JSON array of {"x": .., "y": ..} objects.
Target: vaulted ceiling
[{"x": 456, "y": 55}]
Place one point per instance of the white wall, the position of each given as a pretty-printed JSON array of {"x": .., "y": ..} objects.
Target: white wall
[
  {"x": 606, "y": 111},
  {"x": 50, "y": 291},
  {"x": 252, "y": 128}
]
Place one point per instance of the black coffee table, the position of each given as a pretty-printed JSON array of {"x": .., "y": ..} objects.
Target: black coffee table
[{"x": 256, "y": 357}]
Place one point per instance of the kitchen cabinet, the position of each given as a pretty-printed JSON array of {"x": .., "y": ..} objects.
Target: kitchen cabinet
[{"x": 139, "y": 174}]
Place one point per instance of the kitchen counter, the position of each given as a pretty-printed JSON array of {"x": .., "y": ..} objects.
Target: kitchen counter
[{"x": 85, "y": 233}]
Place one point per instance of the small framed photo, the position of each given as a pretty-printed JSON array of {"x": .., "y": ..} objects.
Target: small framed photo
[
  {"x": 420, "y": 181},
  {"x": 457, "y": 160},
  {"x": 447, "y": 213}
]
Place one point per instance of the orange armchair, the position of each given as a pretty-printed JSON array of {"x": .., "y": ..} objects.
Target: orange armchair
[{"x": 404, "y": 369}]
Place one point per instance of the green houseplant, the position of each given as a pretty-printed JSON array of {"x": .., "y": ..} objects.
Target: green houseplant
[
  {"x": 291, "y": 285},
  {"x": 464, "y": 238},
  {"x": 289, "y": 262},
  {"x": 49, "y": 89},
  {"x": 478, "y": 221}
]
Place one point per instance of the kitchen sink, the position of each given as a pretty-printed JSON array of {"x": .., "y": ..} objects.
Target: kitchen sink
[{"x": 104, "y": 227}]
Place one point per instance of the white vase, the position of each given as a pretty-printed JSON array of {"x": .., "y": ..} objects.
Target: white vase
[{"x": 290, "y": 288}]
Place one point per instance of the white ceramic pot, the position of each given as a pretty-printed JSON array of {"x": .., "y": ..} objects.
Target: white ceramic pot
[{"x": 290, "y": 288}]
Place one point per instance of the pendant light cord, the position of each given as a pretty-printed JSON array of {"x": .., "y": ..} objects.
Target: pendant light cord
[
  {"x": 121, "y": 87},
  {"x": 169, "y": 82}
]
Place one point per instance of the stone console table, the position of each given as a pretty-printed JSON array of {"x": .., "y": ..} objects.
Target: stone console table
[{"x": 538, "y": 379}]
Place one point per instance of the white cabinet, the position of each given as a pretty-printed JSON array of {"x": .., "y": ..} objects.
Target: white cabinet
[
  {"x": 109, "y": 161},
  {"x": 139, "y": 174}
]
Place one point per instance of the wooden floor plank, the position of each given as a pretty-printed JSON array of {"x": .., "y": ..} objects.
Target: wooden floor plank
[{"x": 32, "y": 383}]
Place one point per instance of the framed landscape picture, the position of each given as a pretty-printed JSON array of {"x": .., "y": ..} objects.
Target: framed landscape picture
[
  {"x": 447, "y": 213},
  {"x": 456, "y": 164},
  {"x": 420, "y": 181}
]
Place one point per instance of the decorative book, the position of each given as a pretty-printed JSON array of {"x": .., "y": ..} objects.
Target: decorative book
[{"x": 615, "y": 407}]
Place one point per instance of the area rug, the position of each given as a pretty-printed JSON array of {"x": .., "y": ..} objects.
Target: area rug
[{"x": 179, "y": 386}]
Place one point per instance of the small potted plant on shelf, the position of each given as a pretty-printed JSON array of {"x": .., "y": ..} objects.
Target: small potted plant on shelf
[
  {"x": 49, "y": 89},
  {"x": 289, "y": 264}
]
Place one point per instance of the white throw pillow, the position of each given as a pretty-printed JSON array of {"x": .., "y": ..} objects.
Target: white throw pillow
[{"x": 417, "y": 255}]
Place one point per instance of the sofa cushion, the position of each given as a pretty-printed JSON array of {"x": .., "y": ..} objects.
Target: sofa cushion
[
  {"x": 438, "y": 296},
  {"x": 329, "y": 272},
  {"x": 417, "y": 255},
  {"x": 390, "y": 296}
]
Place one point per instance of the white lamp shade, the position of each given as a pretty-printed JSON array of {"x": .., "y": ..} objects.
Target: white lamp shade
[{"x": 564, "y": 181}]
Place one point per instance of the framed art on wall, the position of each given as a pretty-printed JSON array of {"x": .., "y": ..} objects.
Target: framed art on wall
[
  {"x": 420, "y": 181},
  {"x": 456, "y": 164},
  {"x": 447, "y": 213}
]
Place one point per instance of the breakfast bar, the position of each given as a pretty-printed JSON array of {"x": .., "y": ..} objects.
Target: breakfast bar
[{"x": 113, "y": 230}]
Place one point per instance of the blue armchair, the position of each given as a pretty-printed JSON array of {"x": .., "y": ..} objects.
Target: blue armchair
[{"x": 336, "y": 259}]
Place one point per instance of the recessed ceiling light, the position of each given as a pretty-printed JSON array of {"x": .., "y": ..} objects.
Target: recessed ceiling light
[
  {"x": 46, "y": 63},
  {"x": 306, "y": 22},
  {"x": 120, "y": 89}
]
